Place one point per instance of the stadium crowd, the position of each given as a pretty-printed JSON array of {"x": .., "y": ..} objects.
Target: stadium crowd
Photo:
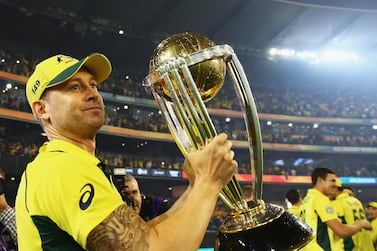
[{"x": 303, "y": 102}]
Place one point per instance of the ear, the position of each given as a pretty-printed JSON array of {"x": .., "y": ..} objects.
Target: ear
[
  {"x": 321, "y": 180},
  {"x": 39, "y": 110}
]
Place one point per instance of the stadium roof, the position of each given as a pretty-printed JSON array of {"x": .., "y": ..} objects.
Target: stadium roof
[{"x": 251, "y": 27}]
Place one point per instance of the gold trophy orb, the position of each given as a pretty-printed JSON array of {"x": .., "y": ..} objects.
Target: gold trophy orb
[{"x": 208, "y": 75}]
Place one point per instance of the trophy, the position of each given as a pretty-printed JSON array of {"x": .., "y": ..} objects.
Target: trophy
[{"x": 185, "y": 71}]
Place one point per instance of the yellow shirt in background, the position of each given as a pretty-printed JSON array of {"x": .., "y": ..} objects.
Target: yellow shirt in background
[
  {"x": 349, "y": 210},
  {"x": 316, "y": 209},
  {"x": 373, "y": 232},
  {"x": 295, "y": 210}
]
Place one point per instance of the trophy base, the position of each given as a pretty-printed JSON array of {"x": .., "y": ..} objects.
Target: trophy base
[{"x": 280, "y": 231}]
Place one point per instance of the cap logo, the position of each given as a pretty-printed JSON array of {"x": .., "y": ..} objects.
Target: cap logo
[
  {"x": 65, "y": 59},
  {"x": 36, "y": 85}
]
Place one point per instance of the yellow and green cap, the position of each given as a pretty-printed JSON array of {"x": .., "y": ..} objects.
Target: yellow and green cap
[
  {"x": 59, "y": 68},
  {"x": 372, "y": 204}
]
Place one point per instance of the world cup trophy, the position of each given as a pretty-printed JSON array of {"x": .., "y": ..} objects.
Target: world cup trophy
[{"x": 185, "y": 71}]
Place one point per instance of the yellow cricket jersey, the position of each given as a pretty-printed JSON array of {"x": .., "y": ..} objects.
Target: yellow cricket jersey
[
  {"x": 373, "y": 232},
  {"x": 337, "y": 242},
  {"x": 349, "y": 210},
  {"x": 316, "y": 209},
  {"x": 294, "y": 210},
  {"x": 62, "y": 196}
]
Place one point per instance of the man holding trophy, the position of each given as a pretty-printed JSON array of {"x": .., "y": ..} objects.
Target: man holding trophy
[{"x": 65, "y": 201}]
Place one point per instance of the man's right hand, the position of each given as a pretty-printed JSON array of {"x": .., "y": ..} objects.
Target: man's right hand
[{"x": 213, "y": 163}]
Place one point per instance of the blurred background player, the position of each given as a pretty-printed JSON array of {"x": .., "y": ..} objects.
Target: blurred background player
[
  {"x": 294, "y": 198},
  {"x": 318, "y": 212},
  {"x": 349, "y": 209},
  {"x": 372, "y": 216}
]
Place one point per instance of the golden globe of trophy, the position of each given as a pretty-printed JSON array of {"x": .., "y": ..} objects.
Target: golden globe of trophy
[{"x": 186, "y": 70}]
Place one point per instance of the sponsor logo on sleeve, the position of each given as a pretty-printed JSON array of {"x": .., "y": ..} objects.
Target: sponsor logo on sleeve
[
  {"x": 87, "y": 194},
  {"x": 329, "y": 210}
]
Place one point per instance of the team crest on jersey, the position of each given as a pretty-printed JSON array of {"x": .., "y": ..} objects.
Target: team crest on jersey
[{"x": 329, "y": 210}]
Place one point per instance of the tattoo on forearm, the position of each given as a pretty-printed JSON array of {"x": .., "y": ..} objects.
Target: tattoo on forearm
[{"x": 122, "y": 230}]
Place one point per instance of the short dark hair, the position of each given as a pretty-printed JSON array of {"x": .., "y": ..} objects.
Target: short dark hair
[
  {"x": 349, "y": 188},
  {"x": 320, "y": 172},
  {"x": 293, "y": 196}
]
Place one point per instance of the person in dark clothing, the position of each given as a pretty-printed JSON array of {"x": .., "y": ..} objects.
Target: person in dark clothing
[
  {"x": 153, "y": 206},
  {"x": 147, "y": 207}
]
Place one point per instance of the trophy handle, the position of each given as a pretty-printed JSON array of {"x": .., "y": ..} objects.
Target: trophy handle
[
  {"x": 242, "y": 87},
  {"x": 188, "y": 119}
]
